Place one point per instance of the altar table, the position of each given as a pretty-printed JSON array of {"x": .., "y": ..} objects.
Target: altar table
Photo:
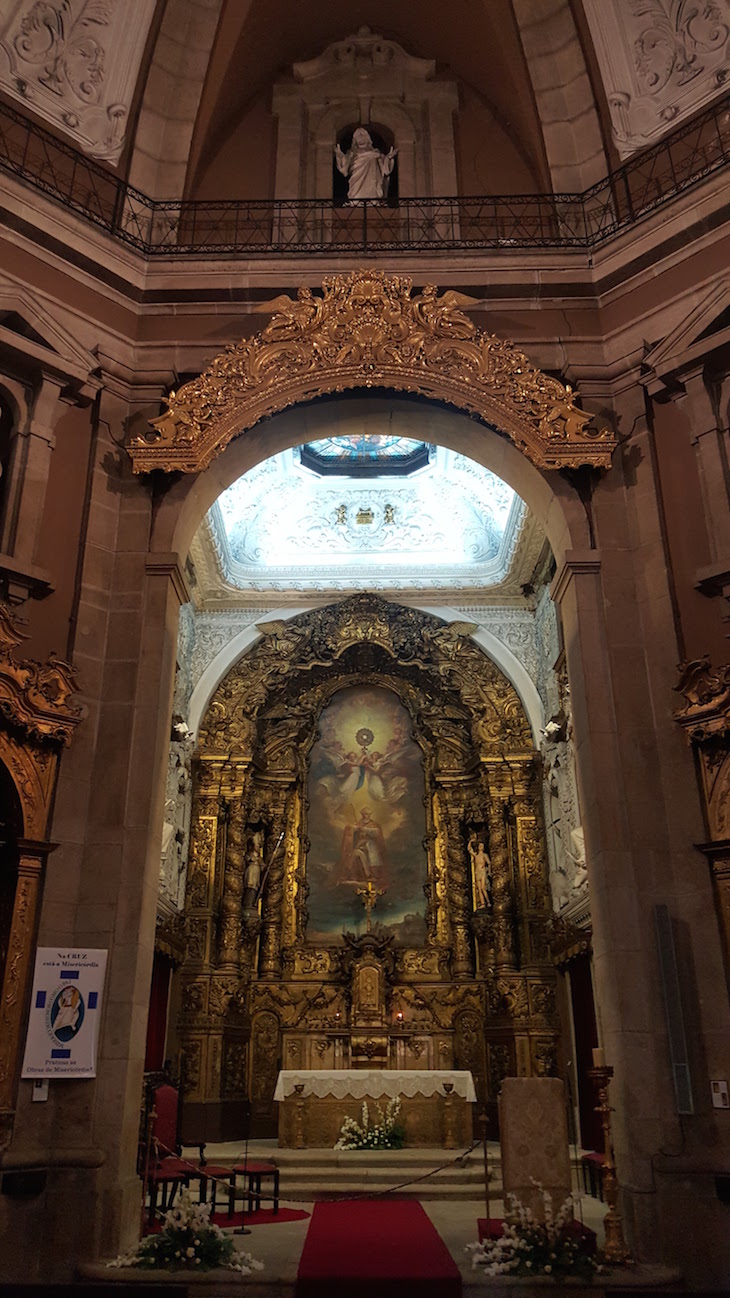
[{"x": 314, "y": 1103}]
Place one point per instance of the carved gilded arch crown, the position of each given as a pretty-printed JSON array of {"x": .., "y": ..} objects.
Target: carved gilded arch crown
[
  {"x": 454, "y": 684},
  {"x": 369, "y": 330}
]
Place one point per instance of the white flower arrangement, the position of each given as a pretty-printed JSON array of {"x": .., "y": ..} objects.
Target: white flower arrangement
[
  {"x": 188, "y": 1241},
  {"x": 536, "y": 1248},
  {"x": 387, "y": 1132}
]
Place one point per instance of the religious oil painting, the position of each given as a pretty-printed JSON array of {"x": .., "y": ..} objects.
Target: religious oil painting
[{"x": 367, "y": 821}]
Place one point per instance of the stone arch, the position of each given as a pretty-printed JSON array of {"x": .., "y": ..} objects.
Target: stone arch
[
  {"x": 548, "y": 495},
  {"x": 564, "y": 94}
]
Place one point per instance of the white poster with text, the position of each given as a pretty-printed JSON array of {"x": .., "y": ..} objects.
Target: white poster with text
[{"x": 63, "y": 1028}]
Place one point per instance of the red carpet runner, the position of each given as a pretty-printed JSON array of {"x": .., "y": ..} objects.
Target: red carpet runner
[{"x": 363, "y": 1247}]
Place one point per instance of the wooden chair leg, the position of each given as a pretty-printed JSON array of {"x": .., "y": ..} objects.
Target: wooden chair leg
[{"x": 153, "y": 1202}]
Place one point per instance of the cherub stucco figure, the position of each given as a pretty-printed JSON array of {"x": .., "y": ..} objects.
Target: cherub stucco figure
[{"x": 366, "y": 168}]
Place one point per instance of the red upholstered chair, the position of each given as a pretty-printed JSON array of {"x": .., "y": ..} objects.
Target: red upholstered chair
[
  {"x": 254, "y": 1171},
  {"x": 166, "y": 1171},
  {"x": 592, "y": 1165}
]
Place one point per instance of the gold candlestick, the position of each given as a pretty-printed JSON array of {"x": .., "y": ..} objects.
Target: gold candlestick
[
  {"x": 299, "y": 1116},
  {"x": 449, "y": 1137},
  {"x": 615, "y": 1249}
]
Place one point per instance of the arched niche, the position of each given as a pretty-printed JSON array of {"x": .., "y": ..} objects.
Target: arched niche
[{"x": 359, "y": 80}]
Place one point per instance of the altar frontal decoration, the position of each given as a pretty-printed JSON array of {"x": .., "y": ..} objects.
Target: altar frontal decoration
[
  {"x": 63, "y": 1029},
  {"x": 369, "y": 330}
]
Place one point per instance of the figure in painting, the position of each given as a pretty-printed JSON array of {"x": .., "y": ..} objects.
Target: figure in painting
[
  {"x": 380, "y": 774},
  {"x": 68, "y": 1010},
  {"x": 365, "y": 167},
  {"x": 366, "y": 817},
  {"x": 362, "y": 853},
  {"x": 481, "y": 873}
]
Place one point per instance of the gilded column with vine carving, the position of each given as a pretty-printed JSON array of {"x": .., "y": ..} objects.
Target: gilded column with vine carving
[
  {"x": 272, "y": 912},
  {"x": 229, "y": 930},
  {"x": 462, "y": 960},
  {"x": 202, "y": 859},
  {"x": 199, "y": 925},
  {"x": 503, "y": 910},
  {"x": 533, "y": 868}
]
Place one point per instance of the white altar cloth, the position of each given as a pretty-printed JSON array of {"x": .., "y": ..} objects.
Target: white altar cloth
[{"x": 367, "y": 1083}]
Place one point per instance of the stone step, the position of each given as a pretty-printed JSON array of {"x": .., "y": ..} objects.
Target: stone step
[
  {"x": 308, "y": 1175},
  {"x": 311, "y": 1174}
]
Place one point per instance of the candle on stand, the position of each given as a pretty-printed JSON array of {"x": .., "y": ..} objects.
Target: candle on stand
[{"x": 599, "y": 1058}]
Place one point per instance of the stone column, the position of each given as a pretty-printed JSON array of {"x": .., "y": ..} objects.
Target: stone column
[
  {"x": 713, "y": 453},
  {"x": 640, "y": 820}
]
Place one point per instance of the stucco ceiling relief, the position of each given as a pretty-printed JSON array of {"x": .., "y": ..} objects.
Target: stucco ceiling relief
[
  {"x": 661, "y": 61},
  {"x": 76, "y": 63}
]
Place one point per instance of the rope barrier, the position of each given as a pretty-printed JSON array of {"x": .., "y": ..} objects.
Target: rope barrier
[{"x": 199, "y": 1171}]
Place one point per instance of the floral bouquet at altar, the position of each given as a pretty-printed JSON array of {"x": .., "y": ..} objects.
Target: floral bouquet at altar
[
  {"x": 528, "y": 1247},
  {"x": 387, "y": 1132},
  {"x": 188, "y": 1242}
]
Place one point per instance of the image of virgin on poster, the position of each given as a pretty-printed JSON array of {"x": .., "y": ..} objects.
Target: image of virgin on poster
[{"x": 64, "y": 1013}]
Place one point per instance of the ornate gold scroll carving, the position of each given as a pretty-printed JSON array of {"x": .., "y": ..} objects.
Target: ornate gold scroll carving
[
  {"x": 37, "y": 717},
  {"x": 368, "y": 329},
  {"x": 705, "y": 719}
]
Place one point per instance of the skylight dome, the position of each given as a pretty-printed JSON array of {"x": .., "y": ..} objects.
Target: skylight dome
[
  {"x": 365, "y": 455},
  {"x": 283, "y": 526}
]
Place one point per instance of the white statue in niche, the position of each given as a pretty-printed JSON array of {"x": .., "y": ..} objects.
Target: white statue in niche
[{"x": 365, "y": 167}]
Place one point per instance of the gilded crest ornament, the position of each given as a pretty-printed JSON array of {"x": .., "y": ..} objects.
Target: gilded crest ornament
[
  {"x": 35, "y": 697},
  {"x": 368, "y": 329}
]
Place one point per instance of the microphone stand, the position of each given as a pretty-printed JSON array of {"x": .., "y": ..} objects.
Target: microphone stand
[{"x": 243, "y": 1229}]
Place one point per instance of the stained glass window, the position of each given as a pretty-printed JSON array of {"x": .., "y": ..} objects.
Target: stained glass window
[{"x": 365, "y": 455}]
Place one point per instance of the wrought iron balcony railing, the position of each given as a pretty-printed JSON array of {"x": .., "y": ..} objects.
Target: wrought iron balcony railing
[{"x": 177, "y": 228}]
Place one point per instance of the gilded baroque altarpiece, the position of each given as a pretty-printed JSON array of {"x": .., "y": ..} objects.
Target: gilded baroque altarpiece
[{"x": 367, "y": 880}]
